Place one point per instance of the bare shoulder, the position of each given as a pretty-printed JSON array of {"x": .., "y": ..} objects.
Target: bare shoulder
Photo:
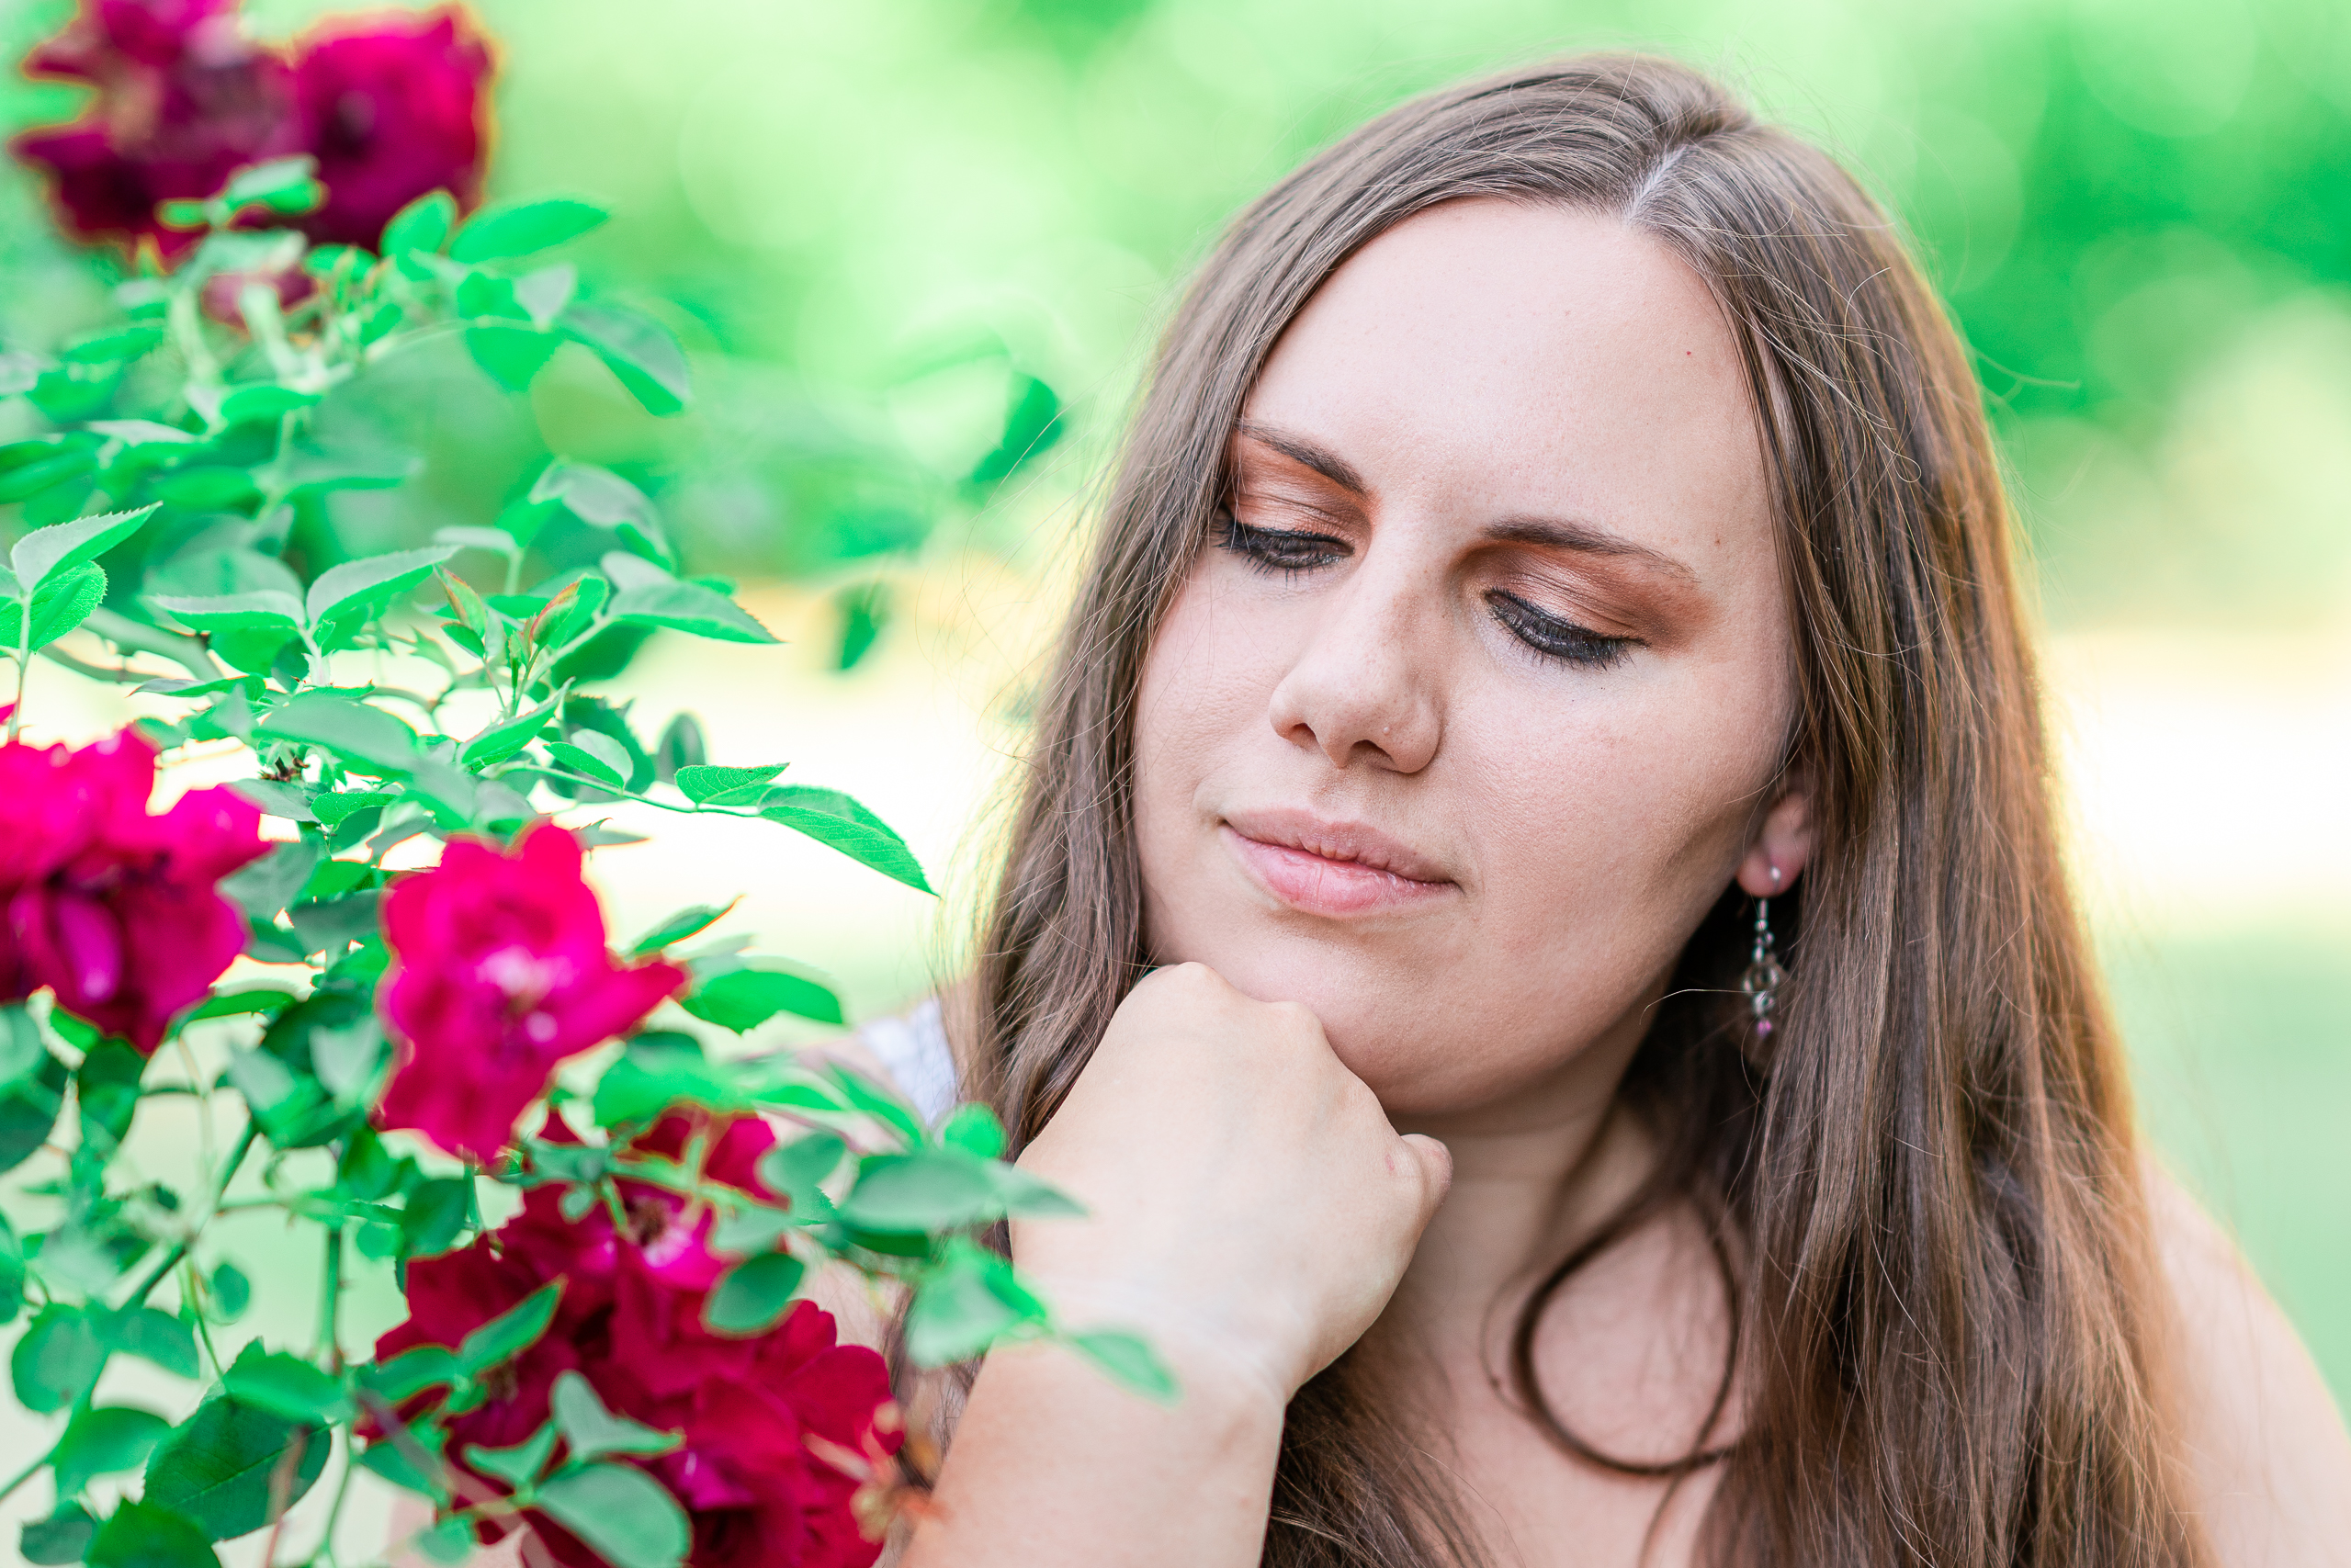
[{"x": 2263, "y": 1437}]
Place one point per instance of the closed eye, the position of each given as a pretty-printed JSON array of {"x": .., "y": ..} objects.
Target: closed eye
[
  {"x": 1278, "y": 551},
  {"x": 1557, "y": 638}
]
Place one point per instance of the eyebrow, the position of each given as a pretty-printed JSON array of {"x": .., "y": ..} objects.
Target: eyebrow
[
  {"x": 1583, "y": 539},
  {"x": 1300, "y": 450}
]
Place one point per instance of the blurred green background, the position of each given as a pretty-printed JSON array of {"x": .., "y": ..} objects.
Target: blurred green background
[{"x": 918, "y": 248}]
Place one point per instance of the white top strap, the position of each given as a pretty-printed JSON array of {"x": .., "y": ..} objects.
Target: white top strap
[{"x": 914, "y": 1049}]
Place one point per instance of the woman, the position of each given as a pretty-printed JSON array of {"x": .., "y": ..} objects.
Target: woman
[{"x": 1628, "y": 1083}]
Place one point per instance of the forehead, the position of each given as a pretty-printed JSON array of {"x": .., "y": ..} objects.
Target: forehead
[{"x": 1522, "y": 356}]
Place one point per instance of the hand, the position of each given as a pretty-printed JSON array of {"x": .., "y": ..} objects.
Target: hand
[{"x": 1250, "y": 1206}]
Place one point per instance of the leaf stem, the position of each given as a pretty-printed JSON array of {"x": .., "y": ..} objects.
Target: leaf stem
[
  {"x": 179, "y": 1248},
  {"x": 35, "y": 1467},
  {"x": 331, "y": 1298}
]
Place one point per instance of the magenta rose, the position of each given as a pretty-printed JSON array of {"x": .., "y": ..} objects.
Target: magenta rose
[
  {"x": 500, "y": 971},
  {"x": 392, "y": 109},
  {"x": 757, "y": 1414},
  {"x": 183, "y": 101},
  {"x": 116, "y": 911}
]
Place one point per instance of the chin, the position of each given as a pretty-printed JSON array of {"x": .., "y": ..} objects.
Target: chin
[{"x": 1395, "y": 1023}]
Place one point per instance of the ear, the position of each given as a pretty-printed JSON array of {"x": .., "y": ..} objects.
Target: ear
[{"x": 1782, "y": 843}]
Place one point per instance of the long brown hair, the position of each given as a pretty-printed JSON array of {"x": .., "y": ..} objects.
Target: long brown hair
[{"x": 1928, "y": 1197}]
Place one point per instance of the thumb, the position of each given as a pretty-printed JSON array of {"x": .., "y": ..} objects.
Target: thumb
[{"x": 1436, "y": 1163}]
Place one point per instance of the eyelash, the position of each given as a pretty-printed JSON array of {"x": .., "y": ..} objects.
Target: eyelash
[{"x": 1287, "y": 553}]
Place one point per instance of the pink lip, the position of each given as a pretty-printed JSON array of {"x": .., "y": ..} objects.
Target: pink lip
[{"x": 1330, "y": 868}]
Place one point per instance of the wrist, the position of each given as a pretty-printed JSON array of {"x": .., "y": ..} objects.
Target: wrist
[{"x": 1211, "y": 1355}]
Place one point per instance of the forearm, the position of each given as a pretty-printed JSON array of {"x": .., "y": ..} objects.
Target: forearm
[{"x": 1054, "y": 1466}]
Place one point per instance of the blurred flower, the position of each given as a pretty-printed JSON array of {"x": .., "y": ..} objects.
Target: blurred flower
[
  {"x": 391, "y": 108},
  {"x": 183, "y": 101},
  {"x": 499, "y": 973},
  {"x": 115, "y": 911},
  {"x": 755, "y": 1415}
]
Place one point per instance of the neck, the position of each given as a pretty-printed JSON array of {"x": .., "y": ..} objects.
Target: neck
[{"x": 1533, "y": 1172}]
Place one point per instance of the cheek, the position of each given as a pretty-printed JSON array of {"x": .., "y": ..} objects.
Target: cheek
[{"x": 1202, "y": 698}]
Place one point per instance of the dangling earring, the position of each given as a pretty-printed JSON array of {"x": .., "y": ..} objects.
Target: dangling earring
[{"x": 1761, "y": 981}]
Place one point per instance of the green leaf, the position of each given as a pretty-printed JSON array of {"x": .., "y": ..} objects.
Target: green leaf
[
  {"x": 831, "y": 817},
  {"x": 259, "y": 609},
  {"x": 591, "y": 1431},
  {"x": 58, "y": 1360},
  {"x": 336, "y": 806},
  {"x": 256, "y": 404},
  {"x": 865, "y": 611},
  {"x": 217, "y": 1466},
  {"x": 795, "y": 1168},
  {"x": 372, "y": 580},
  {"x": 703, "y": 784},
  {"x": 146, "y": 1534},
  {"x": 508, "y": 736},
  {"x": 435, "y": 1216},
  {"x": 601, "y": 497},
  {"x": 288, "y": 1386},
  {"x": 965, "y": 1305},
  {"x": 266, "y": 886},
  {"x": 366, "y": 737},
  {"x": 46, "y": 552},
  {"x": 634, "y": 1090},
  {"x": 754, "y": 1296},
  {"x": 682, "y": 745},
  {"x": 29, "y": 1106},
  {"x": 63, "y": 1536},
  {"x": 410, "y": 1372},
  {"x": 64, "y": 602},
  {"x": 742, "y": 1000},
  {"x": 1130, "y": 1362},
  {"x": 512, "y": 1331},
  {"x": 679, "y": 927},
  {"x": 112, "y": 348},
  {"x": 422, "y": 225},
  {"x": 639, "y": 351},
  {"x": 517, "y": 1466},
  {"x": 622, "y": 1513},
  {"x": 892, "y": 1111},
  {"x": 687, "y": 607},
  {"x": 384, "y": 1460},
  {"x": 974, "y": 1130},
  {"x": 449, "y": 1540},
  {"x": 518, "y": 228},
  {"x": 231, "y": 1293},
  {"x": 102, "y": 1440},
  {"x": 45, "y": 466},
  {"x": 276, "y": 183},
  {"x": 511, "y": 355},
  {"x": 579, "y": 758},
  {"x": 931, "y": 1189},
  {"x": 268, "y": 1084},
  {"x": 156, "y": 1336}
]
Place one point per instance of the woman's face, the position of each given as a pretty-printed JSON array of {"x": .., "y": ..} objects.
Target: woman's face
[{"x": 1474, "y": 704}]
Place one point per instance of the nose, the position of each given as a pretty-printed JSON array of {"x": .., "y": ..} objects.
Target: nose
[{"x": 1363, "y": 689}]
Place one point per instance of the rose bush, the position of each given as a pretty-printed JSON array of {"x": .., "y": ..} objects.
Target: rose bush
[{"x": 372, "y": 966}]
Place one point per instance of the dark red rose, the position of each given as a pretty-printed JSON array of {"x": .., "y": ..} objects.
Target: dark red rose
[
  {"x": 760, "y": 1417},
  {"x": 392, "y": 109},
  {"x": 500, "y": 972},
  {"x": 183, "y": 101},
  {"x": 115, "y": 911}
]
